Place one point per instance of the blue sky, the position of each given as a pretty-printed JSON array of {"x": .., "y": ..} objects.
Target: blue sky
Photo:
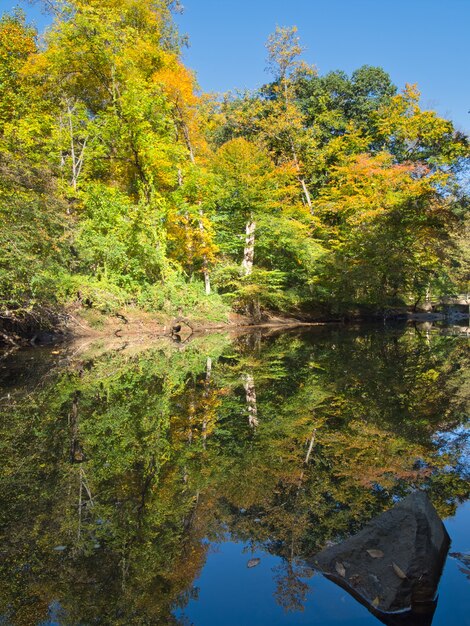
[{"x": 417, "y": 41}]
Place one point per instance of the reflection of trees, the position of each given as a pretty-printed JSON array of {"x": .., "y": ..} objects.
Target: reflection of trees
[
  {"x": 117, "y": 470},
  {"x": 291, "y": 590},
  {"x": 250, "y": 394}
]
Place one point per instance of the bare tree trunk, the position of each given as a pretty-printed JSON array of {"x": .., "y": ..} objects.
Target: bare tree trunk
[
  {"x": 77, "y": 152},
  {"x": 205, "y": 265},
  {"x": 207, "y": 383},
  {"x": 308, "y": 199},
  {"x": 187, "y": 230},
  {"x": 310, "y": 447},
  {"x": 250, "y": 394},
  {"x": 307, "y": 458},
  {"x": 300, "y": 178},
  {"x": 186, "y": 136},
  {"x": 249, "y": 251},
  {"x": 207, "y": 279},
  {"x": 187, "y": 139}
]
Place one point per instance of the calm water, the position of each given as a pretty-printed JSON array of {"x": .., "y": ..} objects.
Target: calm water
[{"x": 136, "y": 485}]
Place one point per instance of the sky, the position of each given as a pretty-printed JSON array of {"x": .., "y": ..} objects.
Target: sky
[{"x": 417, "y": 41}]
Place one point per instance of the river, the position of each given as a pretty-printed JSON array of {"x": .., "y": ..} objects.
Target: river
[{"x": 190, "y": 483}]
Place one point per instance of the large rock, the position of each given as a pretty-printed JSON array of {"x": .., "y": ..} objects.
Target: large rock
[{"x": 394, "y": 564}]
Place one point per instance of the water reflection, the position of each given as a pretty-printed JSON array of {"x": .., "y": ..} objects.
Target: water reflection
[{"x": 120, "y": 471}]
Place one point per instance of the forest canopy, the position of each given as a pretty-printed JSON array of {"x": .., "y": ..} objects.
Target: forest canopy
[{"x": 122, "y": 184}]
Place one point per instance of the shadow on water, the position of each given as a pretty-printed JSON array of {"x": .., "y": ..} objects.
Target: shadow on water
[{"x": 123, "y": 471}]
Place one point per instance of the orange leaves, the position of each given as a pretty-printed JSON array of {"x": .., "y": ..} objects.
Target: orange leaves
[
  {"x": 367, "y": 186},
  {"x": 17, "y": 41},
  {"x": 179, "y": 87},
  {"x": 178, "y": 82}
]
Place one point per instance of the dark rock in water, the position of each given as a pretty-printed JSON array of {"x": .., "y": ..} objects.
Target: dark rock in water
[{"x": 394, "y": 564}]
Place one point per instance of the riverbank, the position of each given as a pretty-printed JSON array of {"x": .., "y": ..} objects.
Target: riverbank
[
  {"x": 77, "y": 323},
  {"x": 133, "y": 324}
]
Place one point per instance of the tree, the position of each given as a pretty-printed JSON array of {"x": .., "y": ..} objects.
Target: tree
[
  {"x": 284, "y": 121},
  {"x": 247, "y": 188},
  {"x": 17, "y": 44},
  {"x": 388, "y": 228}
]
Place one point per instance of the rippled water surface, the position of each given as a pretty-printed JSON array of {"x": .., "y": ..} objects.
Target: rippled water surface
[{"x": 190, "y": 483}]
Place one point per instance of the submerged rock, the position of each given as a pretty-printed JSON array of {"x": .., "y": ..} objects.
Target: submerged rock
[{"x": 394, "y": 564}]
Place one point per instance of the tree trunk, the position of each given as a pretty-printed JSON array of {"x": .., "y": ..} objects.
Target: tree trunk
[
  {"x": 250, "y": 394},
  {"x": 300, "y": 178},
  {"x": 207, "y": 383},
  {"x": 207, "y": 279},
  {"x": 187, "y": 138},
  {"x": 77, "y": 151},
  {"x": 249, "y": 251},
  {"x": 308, "y": 199},
  {"x": 205, "y": 265},
  {"x": 307, "y": 458}
]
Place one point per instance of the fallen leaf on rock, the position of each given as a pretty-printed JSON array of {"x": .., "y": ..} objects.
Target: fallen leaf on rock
[
  {"x": 339, "y": 567},
  {"x": 375, "y": 554},
  {"x": 375, "y": 602},
  {"x": 253, "y": 562},
  {"x": 398, "y": 571}
]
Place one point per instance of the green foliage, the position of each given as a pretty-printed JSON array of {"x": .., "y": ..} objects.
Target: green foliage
[
  {"x": 33, "y": 237},
  {"x": 121, "y": 182},
  {"x": 177, "y": 294},
  {"x": 262, "y": 289},
  {"x": 121, "y": 241}
]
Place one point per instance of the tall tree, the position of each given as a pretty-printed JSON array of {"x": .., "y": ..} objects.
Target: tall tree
[
  {"x": 248, "y": 188},
  {"x": 284, "y": 123}
]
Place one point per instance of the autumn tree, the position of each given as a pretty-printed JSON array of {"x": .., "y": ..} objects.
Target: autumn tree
[{"x": 388, "y": 228}]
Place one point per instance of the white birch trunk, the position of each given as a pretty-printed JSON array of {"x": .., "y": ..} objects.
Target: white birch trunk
[
  {"x": 206, "y": 393},
  {"x": 301, "y": 180},
  {"x": 205, "y": 268},
  {"x": 77, "y": 151},
  {"x": 250, "y": 394},
  {"x": 249, "y": 251}
]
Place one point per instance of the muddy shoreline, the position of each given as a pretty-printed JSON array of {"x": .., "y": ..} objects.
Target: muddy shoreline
[{"x": 137, "y": 326}]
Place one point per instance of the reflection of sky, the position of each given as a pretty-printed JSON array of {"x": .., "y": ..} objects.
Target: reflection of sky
[
  {"x": 228, "y": 593},
  {"x": 457, "y": 443},
  {"x": 231, "y": 594}
]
